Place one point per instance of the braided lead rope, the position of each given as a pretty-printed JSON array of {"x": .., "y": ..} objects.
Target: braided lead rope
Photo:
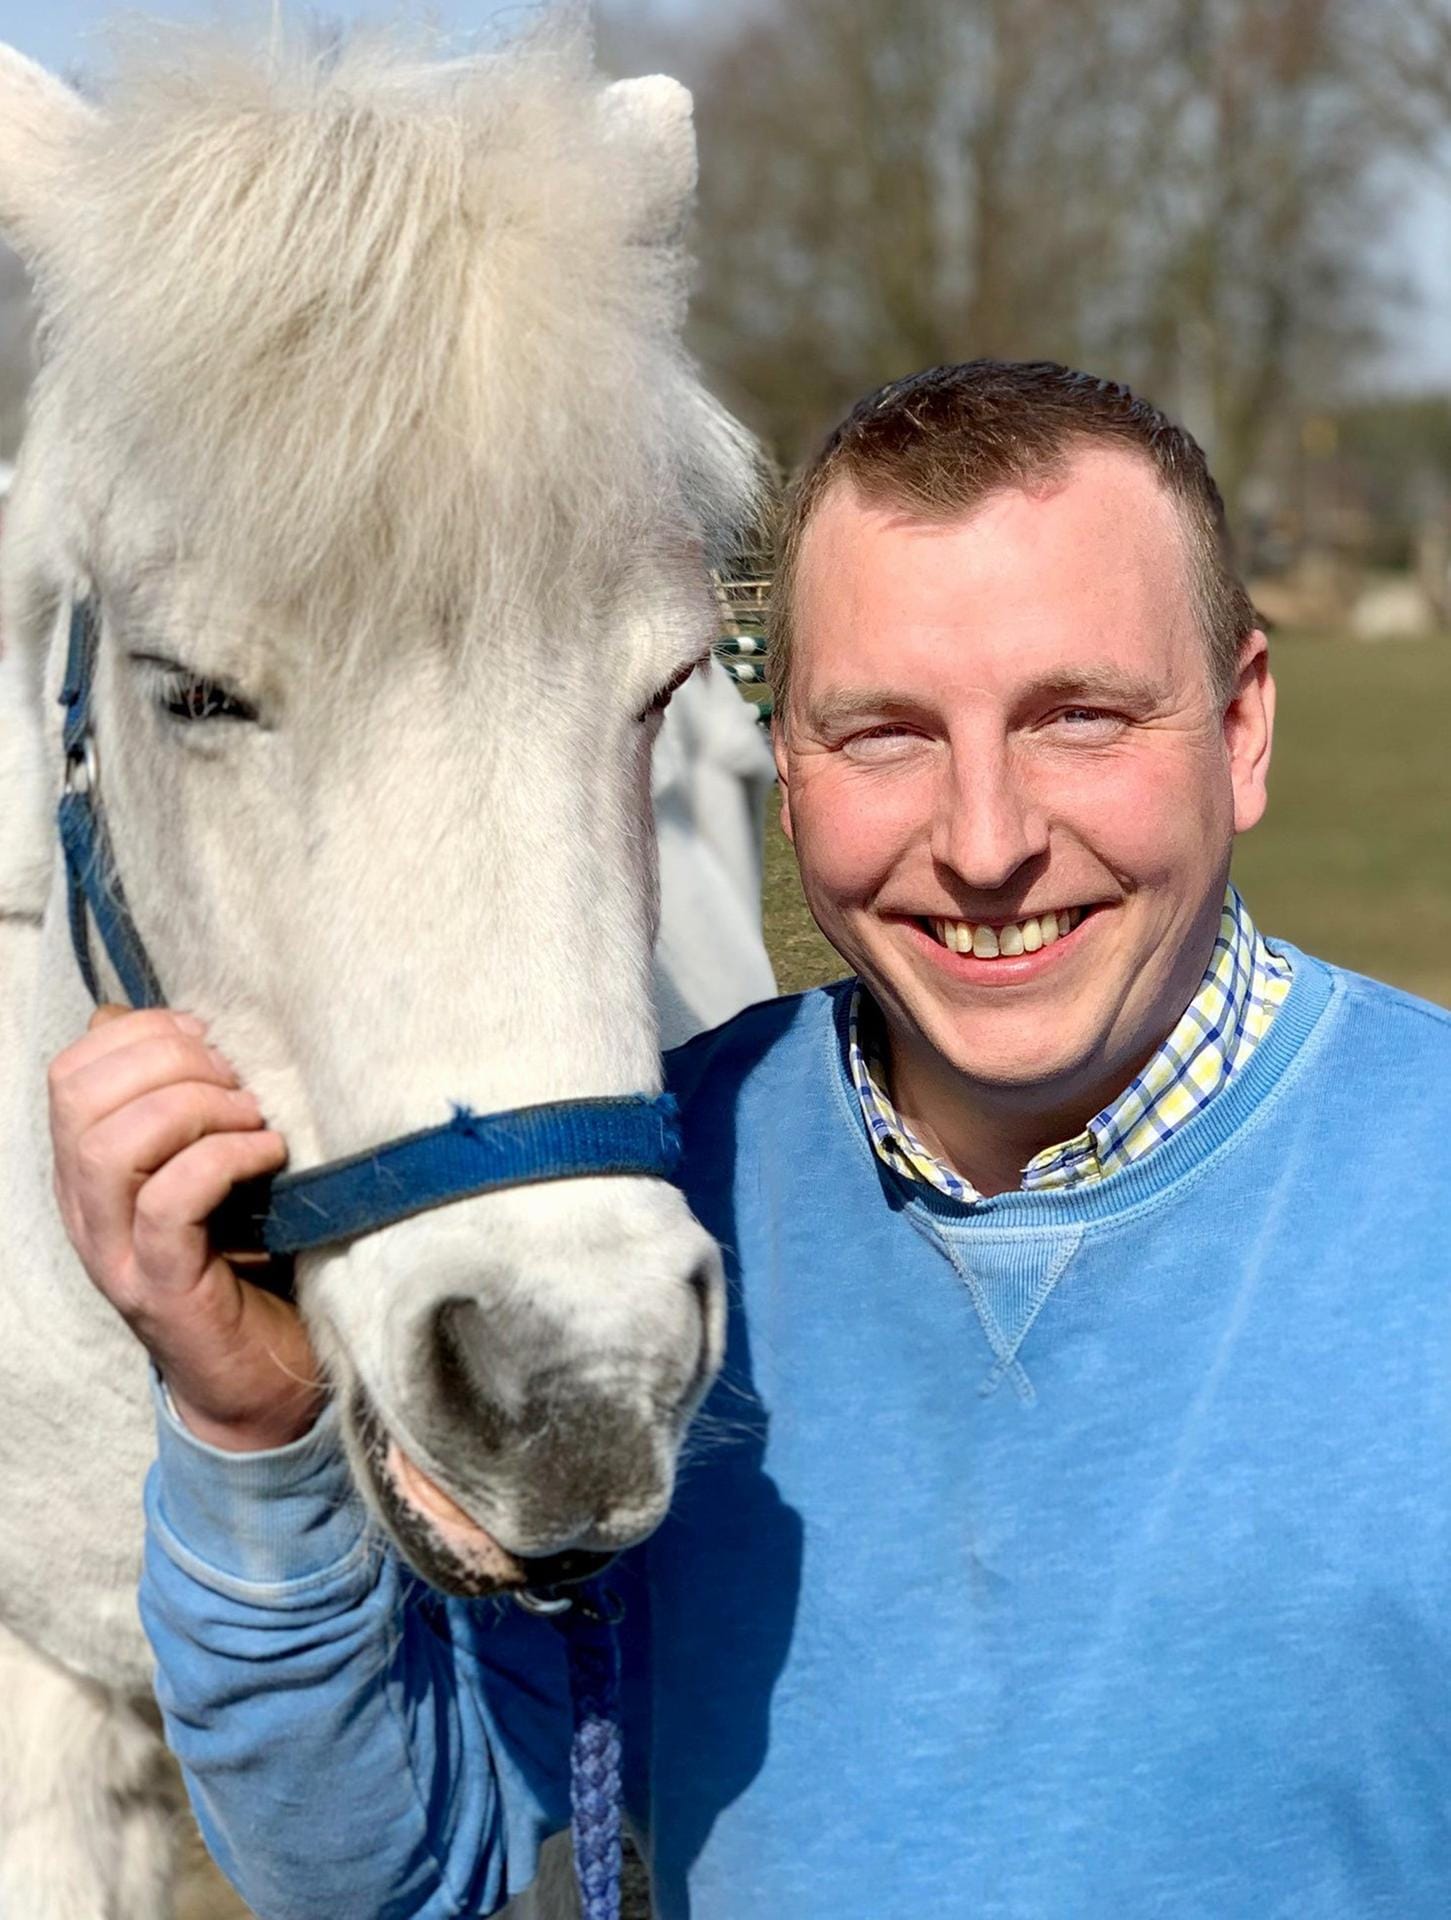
[{"x": 596, "y": 1785}]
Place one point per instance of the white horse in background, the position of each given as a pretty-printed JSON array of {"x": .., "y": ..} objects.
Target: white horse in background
[
  {"x": 711, "y": 779},
  {"x": 363, "y": 418}
]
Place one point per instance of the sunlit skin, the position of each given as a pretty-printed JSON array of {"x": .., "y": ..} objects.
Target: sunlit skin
[{"x": 1003, "y": 714}]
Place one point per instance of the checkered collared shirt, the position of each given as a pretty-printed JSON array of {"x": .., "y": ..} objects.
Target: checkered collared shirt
[{"x": 1243, "y": 987}]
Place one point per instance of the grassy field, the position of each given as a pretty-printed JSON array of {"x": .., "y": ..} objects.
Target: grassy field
[{"x": 1352, "y": 861}]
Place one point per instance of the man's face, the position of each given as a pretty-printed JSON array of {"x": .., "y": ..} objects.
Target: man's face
[{"x": 1003, "y": 716}]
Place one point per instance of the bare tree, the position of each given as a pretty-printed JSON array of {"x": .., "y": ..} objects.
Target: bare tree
[
  {"x": 886, "y": 187},
  {"x": 1258, "y": 287},
  {"x": 1182, "y": 192},
  {"x": 1406, "y": 71}
]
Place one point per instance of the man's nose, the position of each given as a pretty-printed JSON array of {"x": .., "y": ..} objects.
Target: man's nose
[{"x": 988, "y": 822}]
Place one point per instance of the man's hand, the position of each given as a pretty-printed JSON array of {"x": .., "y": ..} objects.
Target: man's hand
[{"x": 151, "y": 1131}]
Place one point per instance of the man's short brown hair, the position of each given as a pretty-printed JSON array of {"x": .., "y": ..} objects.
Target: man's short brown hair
[{"x": 940, "y": 442}]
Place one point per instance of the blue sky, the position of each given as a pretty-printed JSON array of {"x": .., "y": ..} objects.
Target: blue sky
[
  {"x": 1418, "y": 249},
  {"x": 62, "y": 33},
  {"x": 65, "y": 36}
]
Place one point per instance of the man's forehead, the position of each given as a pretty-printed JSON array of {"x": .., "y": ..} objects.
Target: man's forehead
[
  {"x": 1112, "y": 490},
  {"x": 1089, "y": 571}
]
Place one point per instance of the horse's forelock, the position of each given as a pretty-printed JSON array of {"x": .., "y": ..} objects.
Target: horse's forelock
[{"x": 378, "y": 330}]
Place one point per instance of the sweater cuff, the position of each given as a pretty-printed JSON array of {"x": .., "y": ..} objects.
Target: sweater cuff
[{"x": 266, "y": 1519}]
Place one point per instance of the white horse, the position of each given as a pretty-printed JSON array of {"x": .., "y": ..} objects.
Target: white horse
[{"x": 364, "y": 419}]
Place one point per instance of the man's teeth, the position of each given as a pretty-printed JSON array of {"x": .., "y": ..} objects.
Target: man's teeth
[{"x": 1019, "y": 936}]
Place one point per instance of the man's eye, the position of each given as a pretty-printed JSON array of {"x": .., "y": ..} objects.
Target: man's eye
[
  {"x": 881, "y": 742},
  {"x": 1092, "y": 720}
]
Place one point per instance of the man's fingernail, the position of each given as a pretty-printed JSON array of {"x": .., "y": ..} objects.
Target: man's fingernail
[{"x": 189, "y": 1023}]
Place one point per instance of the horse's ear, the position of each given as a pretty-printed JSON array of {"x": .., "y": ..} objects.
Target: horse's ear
[
  {"x": 39, "y": 119},
  {"x": 652, "y": 121}
]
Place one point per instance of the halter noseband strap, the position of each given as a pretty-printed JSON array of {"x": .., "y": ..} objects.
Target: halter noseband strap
[
  {"x": 468, "y": 1155},
  {"x": 471, "y": 1154}
]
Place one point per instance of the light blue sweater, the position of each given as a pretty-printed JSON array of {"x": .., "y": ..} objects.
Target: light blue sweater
[{"x": 1074, "y": 1555}]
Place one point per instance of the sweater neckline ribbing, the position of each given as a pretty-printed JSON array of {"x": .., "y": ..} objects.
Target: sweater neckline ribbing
[{"x": 1267, "y": 1076}]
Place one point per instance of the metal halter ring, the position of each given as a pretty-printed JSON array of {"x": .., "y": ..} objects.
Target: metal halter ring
[
  {"x": 600, "y": 1606},
  {"x": 546, "y": 1605},
  {"x": 82, "y": 768}
]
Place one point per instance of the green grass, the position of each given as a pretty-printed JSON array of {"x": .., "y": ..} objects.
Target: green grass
[{"x": 1352, "y": 861}]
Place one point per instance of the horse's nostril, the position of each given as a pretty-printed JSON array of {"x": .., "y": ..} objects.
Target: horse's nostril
[
  {"x": 462, "y": 1378},
  {"x": 502, "y": 1371},
  {"x": 453, "y": 1323},
  {"x": 702, "y": 1284}
]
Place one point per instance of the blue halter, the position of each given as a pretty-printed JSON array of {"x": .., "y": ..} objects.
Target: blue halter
[{"x": 467, "y": 1155}]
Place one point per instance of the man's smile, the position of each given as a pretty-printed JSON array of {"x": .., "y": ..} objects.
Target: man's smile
[
  {"x": 989, "y": 939},
  {"x": 1001, "y": 952}
]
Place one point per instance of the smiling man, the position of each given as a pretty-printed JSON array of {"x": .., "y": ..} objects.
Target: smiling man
[
  {"x": 1034, "y": 712},
  {"x": 1071, "y": 1535}
]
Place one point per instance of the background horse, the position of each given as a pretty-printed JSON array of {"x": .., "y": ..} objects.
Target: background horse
[{"x": 364, "y": 421}]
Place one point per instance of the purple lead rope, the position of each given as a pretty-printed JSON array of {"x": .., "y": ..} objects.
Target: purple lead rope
[{"x": 596, "y": 1785}]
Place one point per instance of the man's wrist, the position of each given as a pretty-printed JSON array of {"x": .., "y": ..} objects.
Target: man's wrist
[{"x": 260, "y": 1432}]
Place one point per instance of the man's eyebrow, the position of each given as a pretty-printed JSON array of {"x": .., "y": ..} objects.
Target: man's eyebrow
[
  {"x": 1094, "y": 684},
  {"x": 840, "y": 707}
]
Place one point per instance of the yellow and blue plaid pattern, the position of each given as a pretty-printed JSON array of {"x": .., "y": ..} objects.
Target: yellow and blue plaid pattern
[{"x": 1244, "y": 985}]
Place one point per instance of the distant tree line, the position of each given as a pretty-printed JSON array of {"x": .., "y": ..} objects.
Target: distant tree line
[{"x": 1185, "y": 193}]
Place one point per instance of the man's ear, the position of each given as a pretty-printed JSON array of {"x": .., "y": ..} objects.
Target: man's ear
[
  {"x": 1249, "y": 731},
  {"x": 778, "y": 749}
]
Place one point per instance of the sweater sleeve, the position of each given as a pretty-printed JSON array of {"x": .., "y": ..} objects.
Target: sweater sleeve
[{"x": 351, "y": 1742}]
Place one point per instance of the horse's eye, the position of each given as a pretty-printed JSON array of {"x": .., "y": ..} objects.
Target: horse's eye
[
  {"x": 185, "y": 697},
  {"x": 667, "y": 693}
]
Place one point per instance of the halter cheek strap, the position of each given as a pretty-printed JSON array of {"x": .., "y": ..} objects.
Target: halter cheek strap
[
  {"x": 93, "y": 884},
  {"x": 470, "y": 1154}
]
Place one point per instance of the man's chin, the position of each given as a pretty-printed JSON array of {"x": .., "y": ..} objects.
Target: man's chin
[
  {"x": 1009, "y": 1059},
  {"x": 1030, "y": 1081}
]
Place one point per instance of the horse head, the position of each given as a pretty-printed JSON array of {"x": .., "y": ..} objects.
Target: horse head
[{"x": 364, "y": 424}]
